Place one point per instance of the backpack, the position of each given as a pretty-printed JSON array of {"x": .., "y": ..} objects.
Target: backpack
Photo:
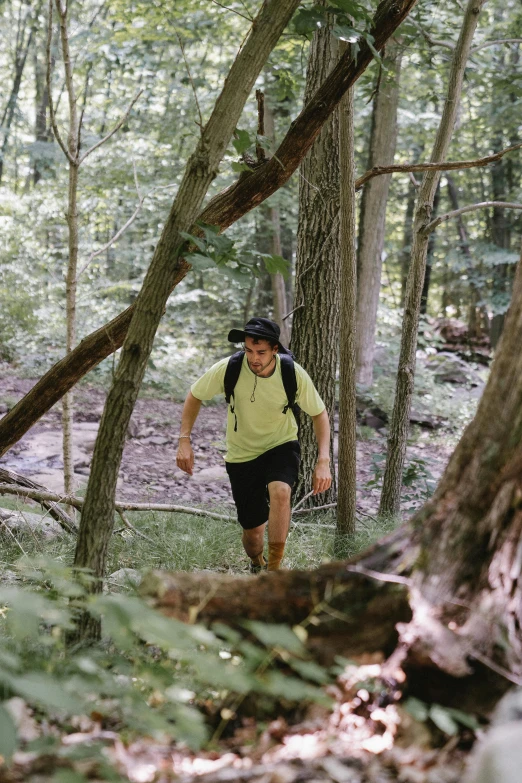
[{"x": 288, "y": 375}]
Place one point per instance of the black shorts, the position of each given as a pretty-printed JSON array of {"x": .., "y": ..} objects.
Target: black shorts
[{"x": 249, "y": 481}]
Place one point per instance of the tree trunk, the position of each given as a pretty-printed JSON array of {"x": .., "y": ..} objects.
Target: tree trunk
[
  {"x": 72, "y": 263},
  {"x": 277, "y": 279},
  {"x": 407, "y": 239},
  {"x": 20, "y": 59},
  {"x": 474, "y": 326},
  {"x": 429, "y": 257},
  {"x": 383, "y": 139},
  {"x": 347, "y": 481},
  {"x": 316, "y": 321},
  {"x": 98, "y": 511},
  {"x": 399, "y": 428},
  {"x": 222, "y": 211}
]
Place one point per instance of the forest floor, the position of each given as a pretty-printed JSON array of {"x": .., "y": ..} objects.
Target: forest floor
[
  {"x": 365, "y": 737},
  {"x": 148, "y": 472}
]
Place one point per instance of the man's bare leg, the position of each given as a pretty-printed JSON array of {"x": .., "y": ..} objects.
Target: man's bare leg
[
  {"x": 278, "y": 522},
  {"x": 253, "y": 544}
]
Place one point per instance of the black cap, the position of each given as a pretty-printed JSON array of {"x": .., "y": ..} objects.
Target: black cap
[{"x": 261, "y": 328}]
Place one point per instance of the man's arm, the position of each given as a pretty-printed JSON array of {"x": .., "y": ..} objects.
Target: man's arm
[
  {"x": 185, "y": 456},
  {"x": 322, "y": 478}
]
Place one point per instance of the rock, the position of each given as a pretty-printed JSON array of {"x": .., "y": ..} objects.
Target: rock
[
  {"x": 125, "y": 577},
  {"x": 449, "y": 368},
  {"x": 156, "y": 440},
  {"x": 217, "y": 473},
  {"x": 26, "y": 726},
  {"x": 86, "y": 426},
  {"x": 426, "y": 420},
  {"x": 498, "y": 758},
  {"x": 369, "y": 420},
  {"x": 22, "y": 521},
  {"x": 146, "y": 432}
]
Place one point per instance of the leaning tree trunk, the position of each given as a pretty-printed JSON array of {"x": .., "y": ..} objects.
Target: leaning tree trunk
[
  {"x": 400, "y": 422},
  {"x": 383, "y": 140},
  {"x": 223, "y": 210},
  {"x": 457, "y": 564},
  {"x": 98, "y": 512},
  {"x": 316, "y": 319}
]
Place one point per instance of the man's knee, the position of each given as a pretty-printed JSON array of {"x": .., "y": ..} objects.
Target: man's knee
[{"x": 280, "y": 493}]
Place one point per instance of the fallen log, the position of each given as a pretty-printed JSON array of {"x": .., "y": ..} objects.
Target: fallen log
[{"x": 344, "y": 612}]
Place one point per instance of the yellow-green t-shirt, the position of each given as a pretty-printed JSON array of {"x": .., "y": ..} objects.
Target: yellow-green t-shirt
[{"x": 261, "y": 423}]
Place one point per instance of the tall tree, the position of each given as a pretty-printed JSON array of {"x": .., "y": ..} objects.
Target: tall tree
[
  {"x": 165, "y": 269},
  {"x": 400, "y": 423},
  {"x": 316, "y": 304},
  {"x": 383, "y": 140},
  {"x": 346, "y": 505}
]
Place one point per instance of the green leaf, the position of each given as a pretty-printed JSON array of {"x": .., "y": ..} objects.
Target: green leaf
[
  {"x": 242, "y": 141},
  {"x": 276, "y": 635},
  {"x": 8, "y": 735},
  {"x": 310, "y": 670},
  {"x": 282, "y": 686},
  {"x": 351, "y": 8},
  {"x": 275, "y": 264},
  {"x": 417, "y": 709},
  {"x": 345, "y": 33},
  {"x": 442, "y": 719},
  {"x": 45, "y": 690},
  {"x": 307, "y": 21},
  {"x": 464, "y": 718},
  {"x": 238, "y": 167},
  {"x": 370, "y": 41}
]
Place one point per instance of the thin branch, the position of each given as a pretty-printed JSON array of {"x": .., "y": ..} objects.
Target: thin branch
[
  {"x": 302, "y": 501},
  {"x": 238, "y": 13},
  {"x": 52, "y": 115},
  {"x": 200, "y": 124},
  {"x": 470, "y": 208},
  {"x": 292, "y": 312},
  {"x": 129, "y": 222},
  {"x": 494, "y": 43},
  {"x": 131, "y": 527},
  {"x": 71, "y": 500},
  {"x": 429, "y": 39},
  {"x": 394, "y": 578},
  {"x": 113, "y": 131},
  {"x": 443, "y": 166},
  {"x": 314, "y": 508}
]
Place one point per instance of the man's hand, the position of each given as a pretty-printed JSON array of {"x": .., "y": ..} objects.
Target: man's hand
[
  {"x": 185, "y": 456},
  {"x": 322, "y": 478}
]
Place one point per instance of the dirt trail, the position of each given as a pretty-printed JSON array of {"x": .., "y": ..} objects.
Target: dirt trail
[{"x": 148, "y": 472}]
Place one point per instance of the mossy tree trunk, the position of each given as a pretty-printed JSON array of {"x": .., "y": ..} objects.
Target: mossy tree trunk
[
  {"x": 400, "y": 422},
  {"x": 316, "y": 319},
  {"x": 347, "y": 480}
]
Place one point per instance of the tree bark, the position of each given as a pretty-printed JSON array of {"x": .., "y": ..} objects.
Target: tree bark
[
  {"x": 383, "y": 140},
  {"x": 347, "y": 481},
  {"x": 316, "y": 322},
  {"x": 98, "y": 511},
  {"x": 430, "y": 252},
  {"x": 399, "y": 428},
  {"x": 72, "y": 262},
  {"x": 223, "y": 211}
]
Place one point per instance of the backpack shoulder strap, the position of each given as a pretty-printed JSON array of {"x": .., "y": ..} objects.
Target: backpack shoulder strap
[
  {"x": 232, "y": 374},
  {"x": 289, "y": 381}
]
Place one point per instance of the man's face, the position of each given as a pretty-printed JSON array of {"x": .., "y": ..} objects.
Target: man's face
[{"x": 260, "y": 354}]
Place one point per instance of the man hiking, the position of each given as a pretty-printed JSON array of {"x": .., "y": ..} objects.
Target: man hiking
[{"x": 263, "y": 387}]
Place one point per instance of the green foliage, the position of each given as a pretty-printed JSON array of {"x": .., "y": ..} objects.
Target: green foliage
[{"x": 448, "y": 719}]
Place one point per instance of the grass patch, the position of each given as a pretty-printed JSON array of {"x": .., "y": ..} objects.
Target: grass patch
[{"x": 183, "y": 542}]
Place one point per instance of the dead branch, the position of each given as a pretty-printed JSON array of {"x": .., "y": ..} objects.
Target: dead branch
[
  {"x": 470, "y": 208},
  {"x": 443, "y": 166},
  {"x": 52, "y": 114},
  {"x": 22, "y": 486},
  {"x": 113, "y": 131}
]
